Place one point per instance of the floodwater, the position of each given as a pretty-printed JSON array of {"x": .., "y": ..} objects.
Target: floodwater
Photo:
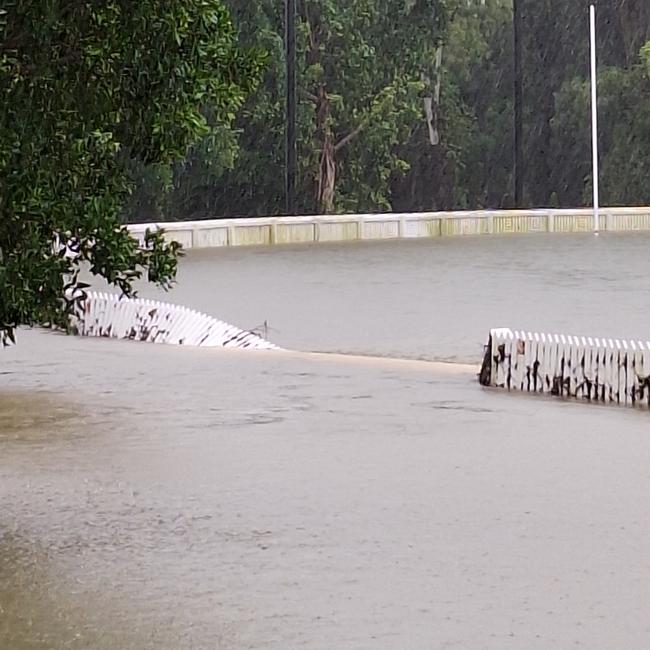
[
  {"x": 171, "y": 498},
  {"x": 433, "y": 300}
]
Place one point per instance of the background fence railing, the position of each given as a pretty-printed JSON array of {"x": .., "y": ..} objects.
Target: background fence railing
[{"x": 351, "y": 227}]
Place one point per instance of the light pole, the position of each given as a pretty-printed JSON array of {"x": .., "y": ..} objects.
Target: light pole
[
  {"x": 290, "y": 122},
  {"x": 518, "y": 152},
  {"x": 594, "y": 116}
]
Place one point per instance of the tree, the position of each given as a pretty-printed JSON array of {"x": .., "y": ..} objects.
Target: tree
[
  {"x": 367, "y": 67},
  {"x": 88, "y": 91},
  {"x": 556, "y": 44},
  {"x": 403, "y": 105},
  {"x": 364, "y": 69},
  {"x": 407, "y": 105},
  {"x": 469, "y": 163},
  {"x": 624, "y": 134}
]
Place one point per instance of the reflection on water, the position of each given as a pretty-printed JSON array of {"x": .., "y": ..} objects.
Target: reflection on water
[{"x": 168, "y": 498}]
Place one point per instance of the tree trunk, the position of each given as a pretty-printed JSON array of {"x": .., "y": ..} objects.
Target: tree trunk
[
  {"x": 327, "y": 177},
  {"x": 432, "y": 102}
]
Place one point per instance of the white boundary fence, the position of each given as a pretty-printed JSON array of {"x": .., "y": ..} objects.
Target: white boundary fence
[
  {"x": 336, "y": 228},
  {"x": 586, "y": 368},
  {"x": 108, "y": 315}
]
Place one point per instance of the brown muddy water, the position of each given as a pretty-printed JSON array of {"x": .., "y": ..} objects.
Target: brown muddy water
[{"x": 155, "y": 497}]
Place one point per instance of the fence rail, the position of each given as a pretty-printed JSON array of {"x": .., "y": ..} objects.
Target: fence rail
[
  {"x": 587, "y": 368},
  {"x": 268, "y": 231}
]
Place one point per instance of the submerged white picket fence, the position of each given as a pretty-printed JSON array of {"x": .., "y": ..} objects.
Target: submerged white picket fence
[
  {"x": 108, "y": 315},
  {"x": 587, "y": 368}
]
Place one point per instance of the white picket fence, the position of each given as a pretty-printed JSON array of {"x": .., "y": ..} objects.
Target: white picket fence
[
  {"x": 599, "y": 370},
  {"x": 110, "y": 316},
  {"x": 582, "y": 367}
]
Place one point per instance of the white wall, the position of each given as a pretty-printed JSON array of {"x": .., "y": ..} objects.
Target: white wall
[{"x": 293, "y": 230}]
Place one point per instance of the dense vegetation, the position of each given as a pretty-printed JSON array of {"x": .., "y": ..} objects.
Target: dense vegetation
[
  {"x": 114, "y": 111},
  {"x": 92, "y": 95},
  {"x": 408, "y": 106}
]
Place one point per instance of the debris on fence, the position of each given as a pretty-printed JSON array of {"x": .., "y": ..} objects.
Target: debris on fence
[
  {"x": 111, "y": 316},
  {"x": 586, "y": 368}
]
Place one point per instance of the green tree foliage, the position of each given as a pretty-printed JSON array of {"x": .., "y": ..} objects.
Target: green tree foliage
[
  {"x": 624, "y": 138},
  {"x": 367, "y": 67},
  {"x": 408, "y": 106},
  {"x": 91, "y": 91},
  {"x": 364, "y": 71},
  {"x": 253, "y": 185},
  {"x": 556, "y": 70},
  {"x": 471, "y": 167}
]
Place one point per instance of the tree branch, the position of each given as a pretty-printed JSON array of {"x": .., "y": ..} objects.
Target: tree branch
[
  {"x": 348, "y": 138},
  {"x": 310, "y": 96}
]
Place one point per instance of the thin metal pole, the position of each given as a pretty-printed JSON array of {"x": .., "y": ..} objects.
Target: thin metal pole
[
  {"x": 518, "y": 159},
  {"x": 594, "y": 118},
  {"x": 290, "y": 126}
]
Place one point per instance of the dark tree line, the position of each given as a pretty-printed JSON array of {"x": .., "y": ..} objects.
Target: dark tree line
[{"x": 408, "y": 106}]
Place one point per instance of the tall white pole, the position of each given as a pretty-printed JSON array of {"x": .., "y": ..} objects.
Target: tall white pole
[{"x": 594, "y": 117}]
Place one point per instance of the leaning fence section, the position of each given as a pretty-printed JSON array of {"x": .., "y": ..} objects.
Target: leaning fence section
[
  {"x": 601, "y": 370},
  {"x": 111, "y": 316}
]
